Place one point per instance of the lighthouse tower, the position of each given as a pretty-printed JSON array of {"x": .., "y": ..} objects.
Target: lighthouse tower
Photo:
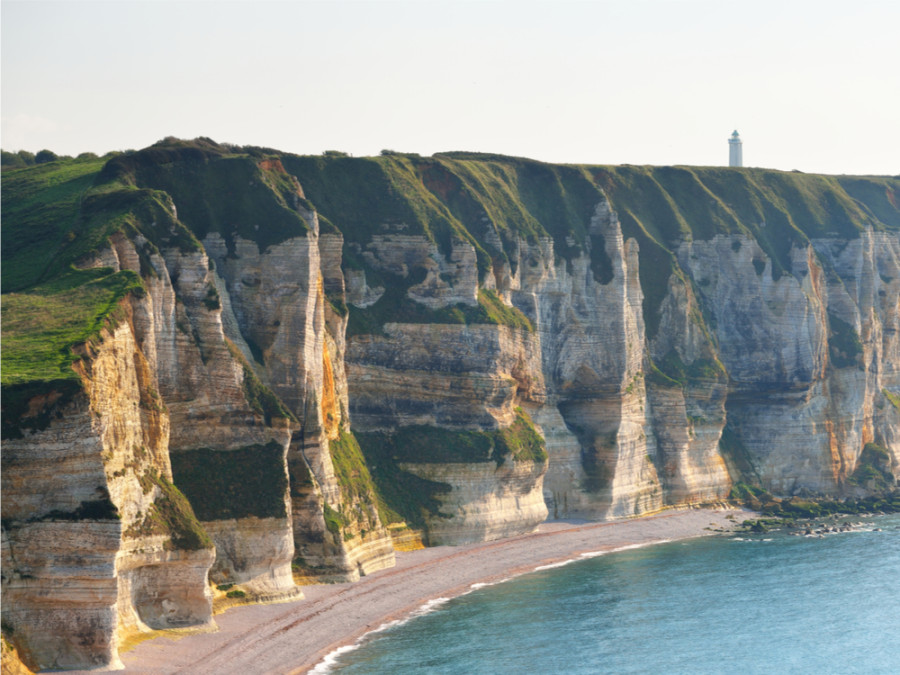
[{"x": 735, "y": 155}]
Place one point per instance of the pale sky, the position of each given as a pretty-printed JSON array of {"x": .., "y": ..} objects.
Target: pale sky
[{"x": 810, "y": 85}]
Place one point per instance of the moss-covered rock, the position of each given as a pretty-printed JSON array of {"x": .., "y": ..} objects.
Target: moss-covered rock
[
  {"x": 873, "y": 469},
  {"x": 405, "y": 497},
  {"x": 224, "y": 484},
  {"x": 170, "y": 514}
]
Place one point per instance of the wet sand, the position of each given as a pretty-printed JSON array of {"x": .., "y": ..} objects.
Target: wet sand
[{"x": 294, "y": 637}]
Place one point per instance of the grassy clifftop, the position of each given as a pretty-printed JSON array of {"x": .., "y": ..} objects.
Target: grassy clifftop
[
  {"x": 443, "y": 198},
  {"x": 492, "y": 201},
  {"x": 176, "y": 192},
  {"x": 57, "y": 215},
  {"x": 218, "y": 188},
  {"x": 467, "y": 194}
]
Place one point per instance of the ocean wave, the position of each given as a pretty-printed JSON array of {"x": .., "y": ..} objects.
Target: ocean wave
[
  {"x": 429, "y": 606},
  {"x": 327, "y": 664},
  {"x": 627, "y": 547},
  {"x": 484, "y": 584},
  {"x": 553, "y": 566}
]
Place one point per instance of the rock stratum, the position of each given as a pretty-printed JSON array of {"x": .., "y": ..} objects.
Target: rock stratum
[{"x": 225, "y": 368}]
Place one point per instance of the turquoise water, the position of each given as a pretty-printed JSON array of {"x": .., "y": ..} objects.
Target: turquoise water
[{"x": 751, "y": 604}]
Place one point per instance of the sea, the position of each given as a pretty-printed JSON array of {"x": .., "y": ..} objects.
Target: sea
[{"x": 744, "y": 603}]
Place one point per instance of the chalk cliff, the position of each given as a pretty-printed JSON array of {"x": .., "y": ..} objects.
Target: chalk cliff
[
  {"x": 97, "y": 541},
  {"x": 227, "y": 366}
]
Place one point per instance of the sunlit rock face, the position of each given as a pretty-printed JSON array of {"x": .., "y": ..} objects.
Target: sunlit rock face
[
  {"x": 284, "y": 321},
  {"x": 83, "y": 562},
  {"x": 486, "y": 501},
  {"x": 808, "y": 356},
  {"x": 201, "y": 380},
  {"x": 596, "y": 415},
  {"x": 453, "y": 377},
  {"x": 450, "y": 349}
]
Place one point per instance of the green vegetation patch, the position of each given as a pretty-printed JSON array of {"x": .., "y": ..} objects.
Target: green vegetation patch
[
  {"x": 170, "y": 514},
  {"x": 405, "y": 497},
  {"x": 334, "y": 521},
  {"x": 350, "y": 469},
  {"x": 800, "y": 508},
  {"x": 225, "y": 484},
  {"x": 492, "y": 310},
  {"x": 375, "y": 195},
  {"x": 402, "y": 496},
  {"x": 843, "y": 344},
  {"x": 516, "y": 198},
  {"x": 395, "y": 306},
  {"x": 41, "y": 330},
  {"x": 785, "y": 510},
  {"x": 112, "y": 207},
  {"x": 55, "y": 216},
  {"x": 892, "y": 397},
  {"x": 873, "y": 468},
  {"x": 420, "y": 444},
  {"x": 260, "y": 398},
  {"x": 519, "y": 440},
  {"x": 674, "y": 370},
  {"x": 484, "y": 201},
  {"x": 41, "y": 211},
  {"x": 356, "y": 194},
  {"x": 742, "y": 492},
  {"x": 491, "y": 202},
  {"x": 659, "y": 378},
  {"x": 762, "y": 525},
  {"x": 42, "y": 325},
  {"x": 877, "y": 196},
  {"x": 218, "y": 189}
]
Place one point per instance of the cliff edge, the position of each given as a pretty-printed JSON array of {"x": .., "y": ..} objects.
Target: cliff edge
[{"x": 228, "y": 368}]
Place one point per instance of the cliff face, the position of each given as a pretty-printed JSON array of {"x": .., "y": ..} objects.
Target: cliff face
[
  {"x": 289, "y": 360},
  {"x": 97, "y": 541}
]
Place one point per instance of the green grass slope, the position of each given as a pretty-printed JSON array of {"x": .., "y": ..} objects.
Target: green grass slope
[
  {"x": 218, "y": 188},
  {"x": 481, "y": 198},
  {"x": 55, "y": 214}
]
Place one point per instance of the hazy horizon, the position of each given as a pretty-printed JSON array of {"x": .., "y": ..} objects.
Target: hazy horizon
[{"x": 809, "y": 86}]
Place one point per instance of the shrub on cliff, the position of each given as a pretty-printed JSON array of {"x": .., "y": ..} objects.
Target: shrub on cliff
[
  {"x": 404, "y": 496},
  {"x": 44, "y": 156},
  {"x": 239, "y": 483},
  {"x": 11, "y": 160},
  {"x": 873, "y": 469},
  {"x": 395, "y": 306},
  {"x": 170, "y": 514}
]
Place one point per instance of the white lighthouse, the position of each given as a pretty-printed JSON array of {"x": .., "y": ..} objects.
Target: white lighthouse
[{"x": 735, "y": 155}]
